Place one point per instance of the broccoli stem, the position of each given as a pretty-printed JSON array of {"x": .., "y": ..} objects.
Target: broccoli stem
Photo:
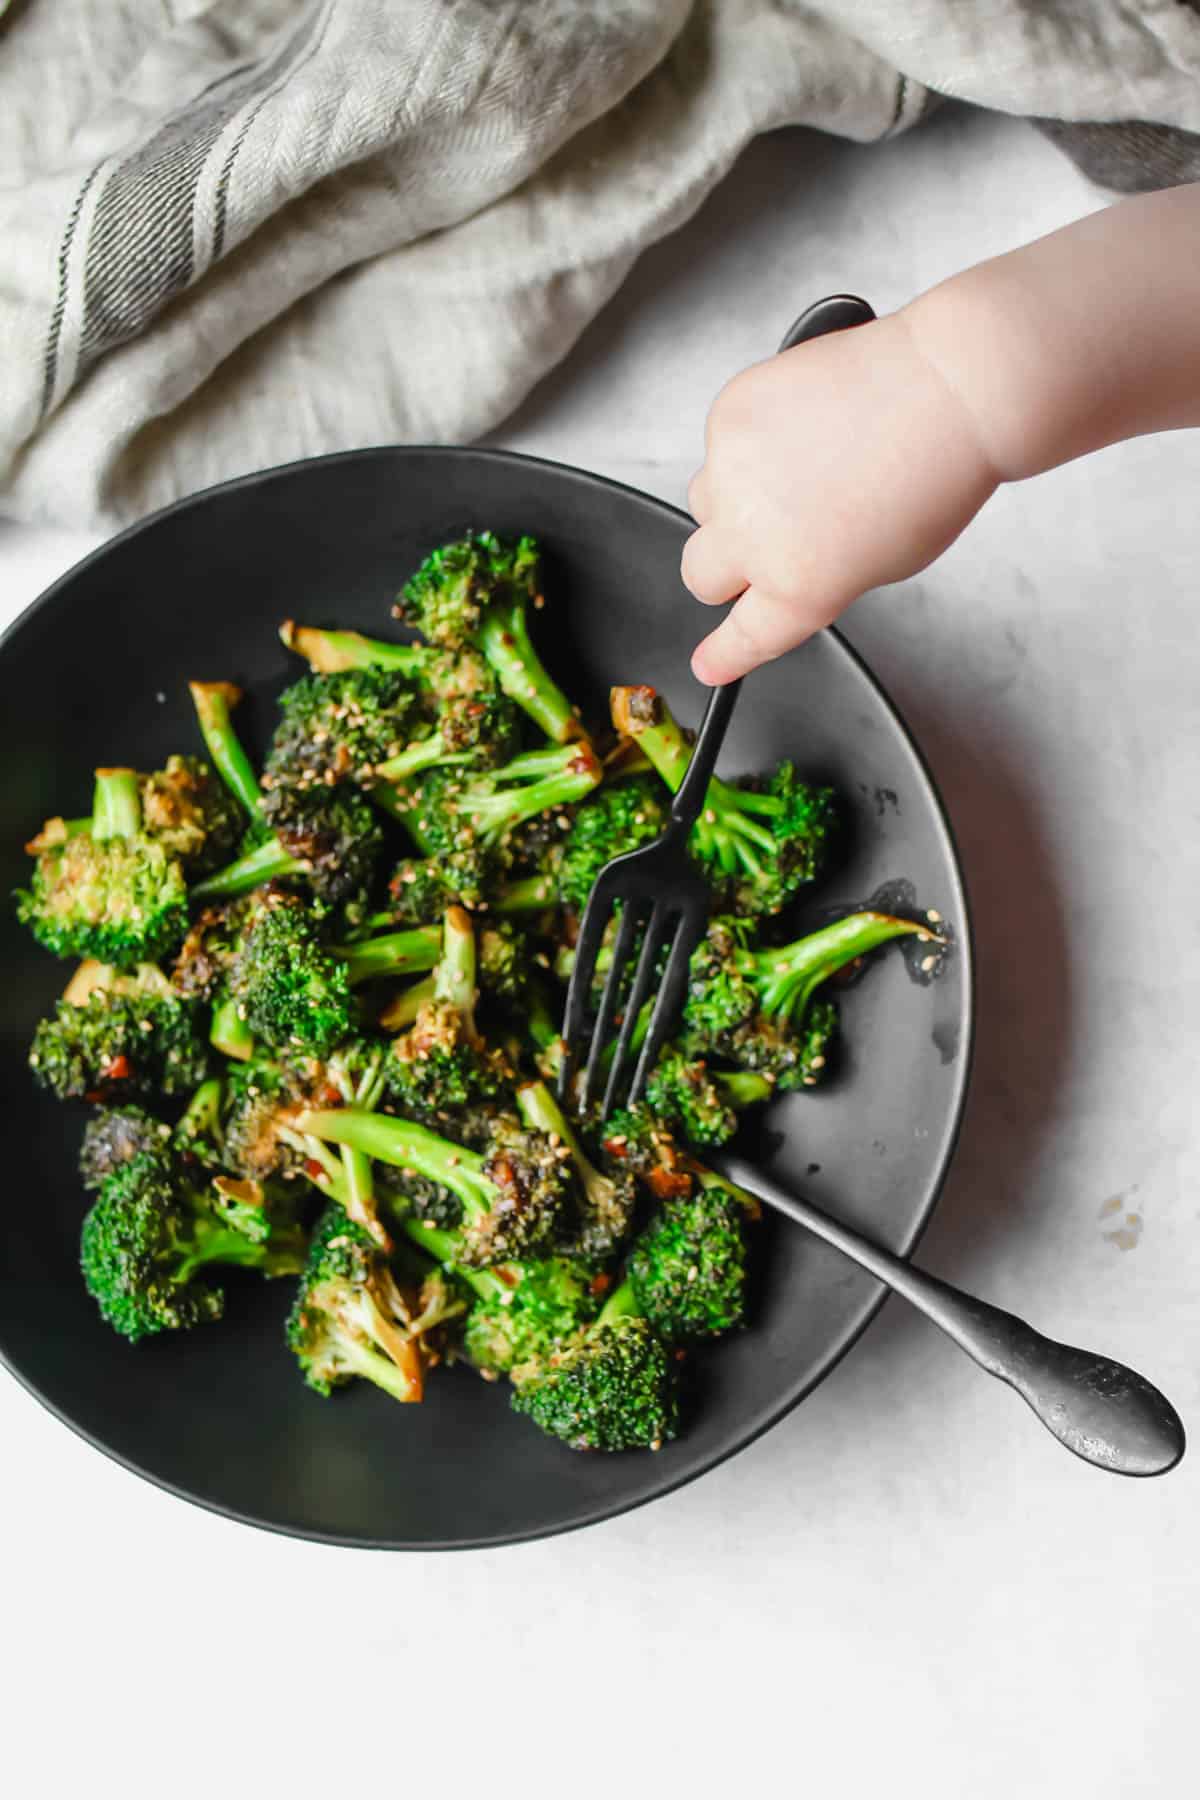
[
  {"x": 789, "y": 976},
  {"x": 505, "y": 641},
  {"x": 741, "y": 1088},
  {"x": 723, "y": 829},
  {"x": 533, "y": 893},
  {"x": 402, "y": 1011},
  {"x": 214, "y": 701},
  {"x": 443, "y": 1247},
  {"x": 497, "y": 812},
  {"x": 267, "y": 862},
  {"x": 215, "y": 1243},
  {"x": 406, "y": 1145},
  {"x": 395, "y": 953},
  {"x": 116, "y": 807},
  {"x": 202, "y": 1114},
  {"x": 424, "y": 753},
  {"x": 539, "y": 1109},
  {"x": 372, "y": 1364},
  {"x": 229, "y": 1032},
  {"x": 328, "y": 652},
  {"x": 621, "y": 1304},
  {"x": 454, "y": 975}
]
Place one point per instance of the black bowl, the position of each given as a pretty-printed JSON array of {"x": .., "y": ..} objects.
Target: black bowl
[{"x": 95, "y": 673}]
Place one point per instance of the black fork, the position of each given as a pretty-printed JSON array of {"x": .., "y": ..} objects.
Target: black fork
[{"x": 659, "y": 887}]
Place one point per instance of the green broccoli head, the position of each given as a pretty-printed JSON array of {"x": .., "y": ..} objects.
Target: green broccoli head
[
  {"x": 688, "y": 1268},
  {"x": 614, "y": 1386},
  {"x": 505, "y": 961},
  {"x": 447, "y": 597},
  {"x": 202, "y": 966},
  {"x": 681, "y": 1092},
  {"x": 337, "y": 727},
  {"x": 541, "y": 1304},
  {"x": 350, "y": 1319},
  {"x": 148, "y": 1240},
  {"x": 113, "y": 1136},
  {"x": 133, "y": 1037},
  {"x": 791, "y": 1056},
  {"x": 263, "y": 1099},
  {"x": 191, "y": 813},
  {"x": 121, "y": 900},
  {"x": 618, "y": 817},
  {"x": 332, "y": 833},
  {"x": 526, "y": 1184},
  {"x": 441, "y": 1065},
  {"x": 422, "y": 887},
  {"x": 291, "y": 993}
]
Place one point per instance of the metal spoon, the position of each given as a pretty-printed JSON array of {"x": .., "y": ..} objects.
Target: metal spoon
[{"x": 1107, "y": 1414}]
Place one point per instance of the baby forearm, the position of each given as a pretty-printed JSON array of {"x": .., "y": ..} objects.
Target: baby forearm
[{"x": 1079, "y": 340}]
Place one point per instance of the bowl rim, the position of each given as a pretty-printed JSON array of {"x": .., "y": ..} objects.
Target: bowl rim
[{"x": 964, "y": 952}]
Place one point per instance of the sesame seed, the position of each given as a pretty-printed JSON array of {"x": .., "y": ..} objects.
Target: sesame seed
[
  {"x": 928, "y": 963},
  {"x": 710, "y": 817},
  {"x": 934, "y": 915},
  {"x": 818, "y": 1062},
  {"x": 693, "y": 1273}
]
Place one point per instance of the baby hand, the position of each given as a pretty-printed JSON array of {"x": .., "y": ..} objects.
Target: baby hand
[{"x": 840, "y": 465}]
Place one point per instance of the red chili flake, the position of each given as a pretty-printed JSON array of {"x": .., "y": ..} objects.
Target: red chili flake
[
  {"x": 119, "y": 1069},
  {"x": 600, "y": 1284},
  {"x": 314, "y": 1168},
  {"x": 668, "y": 1184}
]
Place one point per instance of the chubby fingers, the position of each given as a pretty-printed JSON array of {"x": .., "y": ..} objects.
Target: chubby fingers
[
  {"x": 759, "y": 627},
  {"x": 699, "y": 496},
  {"x": 711, "y": 567}
]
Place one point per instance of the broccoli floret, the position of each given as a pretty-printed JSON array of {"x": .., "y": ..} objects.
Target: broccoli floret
[
  {"x": 291, "y": 993},
  {"x": 619, "y": 817},
  {"x": 350, "y": 1318},
  {"x": 612, "y": 1386},
  {"x": 700, "y": 1102},
  {"x": 454, "y": 810},
  {"x": 202, "y": 965},
  {"x": 149, "y": 1237},
  {"x": 192, "y": 814},
  {"x": 131, "y": 1036},
  {"x": 479, "y": 728},
  {"x": 263, "y": 1100},
  {"x": 688, "y": 1267},
  {"x": 442, "y": 1063},
  {"x": 633, "y": 1137},
  {"x": 512, "y": 1193},
  {"x": 755, "y": 1007},
  {"x": 422, "y": 887},
  {"x": 605, "y": 1200},
  {"x": 113, "y": 1136},
  {"x": 520, "y": 1310},
  {"x": 757, "y": 844},
  {"x": 107, "y": 890},
  {"x": 476, "y": 593},
  {"x": 505, "y": 962},
  {"x": 327, "y": 837},
  {"x": 338, "y": 727}
]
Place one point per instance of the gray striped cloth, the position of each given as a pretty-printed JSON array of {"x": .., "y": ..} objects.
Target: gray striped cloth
[{"x": 234, "y": 232}]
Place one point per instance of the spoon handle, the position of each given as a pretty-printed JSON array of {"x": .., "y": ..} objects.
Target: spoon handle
[{"x": 1107, "y": 1414}]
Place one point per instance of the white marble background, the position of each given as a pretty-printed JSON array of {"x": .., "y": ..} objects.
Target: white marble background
[{"x": 906, "y": 1580}]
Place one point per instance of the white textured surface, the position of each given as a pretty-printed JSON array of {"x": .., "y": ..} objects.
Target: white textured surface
[{"x": 906, "y": 1579}]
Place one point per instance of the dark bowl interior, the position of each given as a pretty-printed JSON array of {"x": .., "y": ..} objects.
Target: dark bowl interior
[{"x": 95, "y": 673}]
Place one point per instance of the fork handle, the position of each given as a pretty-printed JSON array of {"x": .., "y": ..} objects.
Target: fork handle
[
  {"x": 689, "y": 795},
  {"x": 837, "y": 312},
  {"x": 1104, "y": 1412}
]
